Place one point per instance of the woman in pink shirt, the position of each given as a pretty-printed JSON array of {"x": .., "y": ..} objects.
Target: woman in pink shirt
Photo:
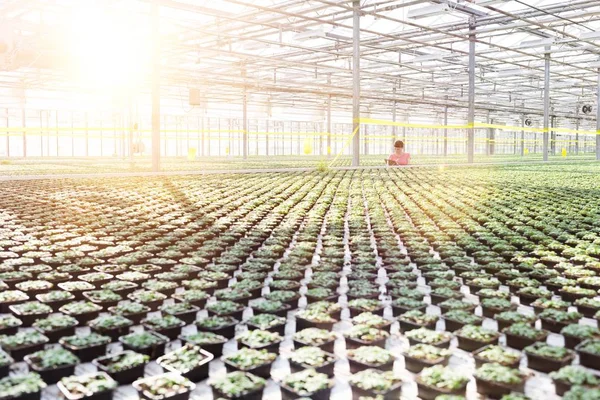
[{"x": 399, "y": 156}]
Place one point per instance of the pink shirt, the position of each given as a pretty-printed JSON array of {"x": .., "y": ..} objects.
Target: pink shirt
[{"x": 400, "y": 159}]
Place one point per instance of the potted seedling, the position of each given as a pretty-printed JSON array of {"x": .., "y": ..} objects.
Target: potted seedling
[
  {"x": 148, "y": 298},
  {"x": 134, "y": 312},
  {"x": 9, "y": 324},
  {"x": 456, "y": 319},
  {"x": 545, "y": 358},
  {"x": 22, "y": 343},
  {"x": 401, "y": 305},
  {"x": 373, "y": 320},
  {"x": 11, "y": 278},
  {"x": 474, "y": 337},
  {"x": 285, "y": 296},
  {"x": 441, "y": 294},
  {"x": 306, "y": 383},
  {"x": 52, "y": 364},
  {"x": 358, "y": 306},
  {"x": 87, "y": 347},
  {"x": 30, "y": 311},
  {"x": 110, "y": 325},
  {"x": 253, "y": 287},
  {"x": 491, "y": 307},
  {"x": 184, "y": 311},
  {"x": 507, "y": 318},
  {"x": 123, "y": 367},
  {"x": 589, "y": 353},
  {"x": 567, "y": 377},
  {"x": 166, "y": 325},
  {"x": 55, "y": 298},
  {"x": 521, "y": 335},
  {"x": 193, "y": 296},
  {"x": 544, "y": 304},
  {"x": 495, "y": 380},
  {"x": 165, "y": 287},
  {"x": 169, "y": 386},
  {"x": 284, "y": 284},
  {"x": 105, "y": 298},
  {"x": 149, "y": 343},
  {"x": 56, "y": 326},
  {"x": 236, "y": 295},
  {"x": 189, "y": 361},
  {"x": 315, "y": 337},
  {"x": 267, "y": 322},
  {"x": 97, "y": 279},
  {"x": 221, "y": 278},
  {"x": 363, "y": 292},
  {"x": 21, "y": 387},
  {"x": 428, "y": 336},
  {"x": 226, "y": 308},
  {"x": 209, "y": 341},
  {"x": 82, "y": 311},
  {"x": 371, "y": 383},
  {"x": 516, "y": 284},
  {"x": 55, "y": 276},
  {"x": 257, "y": 362},
  {"x": 312, "y": 357},
  {"x": 572, "y": 293},
  {"x": 224, "y": 326},
  {"x": 483, "y": 283},
  {"x": 555, "y": 320},
  {"x": 258, "y": 339},
  {"x": 34, "y": 287},
  {"x": 327, "y": 307},
  {"x": 239, "y": 385},
  {"x": 95, "y": 386},
  {"x": 588, "y": 307},
  {"x": 271, "y": 307},
  {"x": 422, "y": 356},
  {"x": 361, "y": 335},
  {"x": 497, "y": 354},
  {"x": 575, "y": 334},
  {"x": 122, "y": 288},
  {"x": 416, "y": 319},
  {"x": 370, "y": 357},
  {"x": 319, "y": 294},
  {"x": 528, "y": 295},
  {"x": 440, "y": 380},
  {"x": 314, "y": 319}
]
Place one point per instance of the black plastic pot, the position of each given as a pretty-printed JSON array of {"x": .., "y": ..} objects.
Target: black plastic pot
[
  {"x": 496, "y": 390},
  {"x": 518, "y": 342},
  {"x": 200, "y": 303},
  {"x": 277, "y": 328},
  {"x": 547, "y": 365},
  {"x": 252, "y": 395},
  {"x": 480, "y": 361},
  {"x": 28, "y": 319},
  {"x": 136, "y": 318},
  {"x": 302, "y": 323},
  {"x": 264, "y": 370},
  {"x": 188, "y": 316},
  {"x": 288, "y": 393},
  {"x": 56, "y": 334},
  {"x": 357, "y": 366},
  {"x": 554, "y": 326},
  {"x": 216, "y": 349},
  {"x": 406, "y": 326},
  {"x": 228, "y": 331},
  {"x": 19, "y": 354},
  {"x": 587, "y": 359},
  {"x": 154, "y": 351},
  {"x": 392, "y": 393},
  {"x": 417, "y": 365},
  {"x": 86, "y": 354},
  {"x": 113, "y": 333},
  {"x": 123, "y": 377},
  {"x": 468, "y": 344},
  {"x": 327, "y": 346},
  {"x": 327, "y": 369},
  {"x": 489, "y": 312},
  {"x": 310, "y": 299},
  {"x": 84, "y": 318},
  {"x": 234, "y": 314},
  {"x": 55, "y": 304},
  {"x": 51, "y": 376},
  {"x": 397, "y": 311},
  {"x": 452, "y": 325},
  {"x": 561, "y": 387},
  {"x": 103, "y": 395},
  {"x": 197, "y": 374},
  {"x": 282, "y": 312},
  {"x": 179, "y": 396},
  {"x": 270, "y": 348},
  {"x": 427, "y": 392},
  {"x": 444, "y": 345},
  {"x": 171, "y": 332},
  {"x": 587, "y": 312},
  {"x": 352, "y": 343}
]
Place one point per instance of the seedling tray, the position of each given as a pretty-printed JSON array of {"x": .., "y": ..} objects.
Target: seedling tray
[
  {"x": 288, "y": 393},
  {"x": 427, "y": 392},
  {"x": 547, "y": 365},
  {"x": 264, "y": 370},
  {"x": 417, "y": 365},
  {"x": 123, "y": 377},
  {"x": 392, "y": 393},
  {"x": 327, "y": 346},
  {"x": 496, "y": 390},
  {"x": 197, "y": 374}
]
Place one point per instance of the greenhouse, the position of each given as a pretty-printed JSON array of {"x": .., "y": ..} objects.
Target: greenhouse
[{"x": 299, "y": 199}]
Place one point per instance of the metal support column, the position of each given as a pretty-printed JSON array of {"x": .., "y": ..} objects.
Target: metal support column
[
  {"x": 329, "y": 119},
  {"x": 471, "y": 115},
  {"x": 155, "y": 90},
  {"x": 356, "y": 84},
  {"x": 446, "y": 129},
  {"x": 545, "y": 147},
  {"x": 523, "y": 135},
  {"x": 394, "y": 128},
  {"x": 245, "y": 116},
  {"x": 598, "y": 120}
]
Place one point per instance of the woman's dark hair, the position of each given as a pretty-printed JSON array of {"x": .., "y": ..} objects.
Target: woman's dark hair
[{"x": 399, "y": 143}]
